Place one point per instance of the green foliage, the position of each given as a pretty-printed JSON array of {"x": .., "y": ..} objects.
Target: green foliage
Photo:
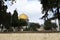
[
  {"x": 54, "y": 25},
  {"x": 14, "y": 19},
  {"x": 34, "y": 26},
  {"x": 23, "y": 22},
  {"x": 7, "y": 21},
  {"x": 48, "y": 5},
  {"x": 5, "y": 17},
  {"x": 48, "y": 25}
]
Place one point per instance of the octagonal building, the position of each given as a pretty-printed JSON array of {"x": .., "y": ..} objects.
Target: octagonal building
[{"x": 23, "y": 16}]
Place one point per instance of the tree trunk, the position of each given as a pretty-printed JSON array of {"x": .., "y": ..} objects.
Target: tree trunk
[{"x": 58, "y": 16}]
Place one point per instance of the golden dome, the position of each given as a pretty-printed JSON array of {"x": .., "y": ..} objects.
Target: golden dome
[{"x": 23, "y": 16}]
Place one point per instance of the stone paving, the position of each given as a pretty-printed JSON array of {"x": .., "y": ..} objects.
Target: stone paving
[{"x": 29, "y": 36}]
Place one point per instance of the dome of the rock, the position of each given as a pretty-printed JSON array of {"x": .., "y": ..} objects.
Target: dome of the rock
[{"x": 23, "y": 16}]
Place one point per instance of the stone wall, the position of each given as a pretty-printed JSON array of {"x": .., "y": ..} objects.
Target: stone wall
[{"x": 29, "y": 36}]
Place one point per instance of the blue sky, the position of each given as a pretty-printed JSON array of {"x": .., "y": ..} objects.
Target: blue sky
[{"x": 32, "y": 8}]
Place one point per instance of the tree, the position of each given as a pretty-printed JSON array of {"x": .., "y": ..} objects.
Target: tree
[
  {"x": 34, "y": 26},
  {"x": 23, "y": 23},
  {"x": 12, "y": 1},
  {"x": 54, "y": 25},
  {"x": 48, "y": 5},
  {"x": 48, "y": 25},
  {"x": 8, "y": 20},
  {"x": 5, "y": 17},
  {"x": 15, "y": 19}
]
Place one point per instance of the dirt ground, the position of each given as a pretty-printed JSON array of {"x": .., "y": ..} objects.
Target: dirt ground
[{"x": 29, "y": 36}]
